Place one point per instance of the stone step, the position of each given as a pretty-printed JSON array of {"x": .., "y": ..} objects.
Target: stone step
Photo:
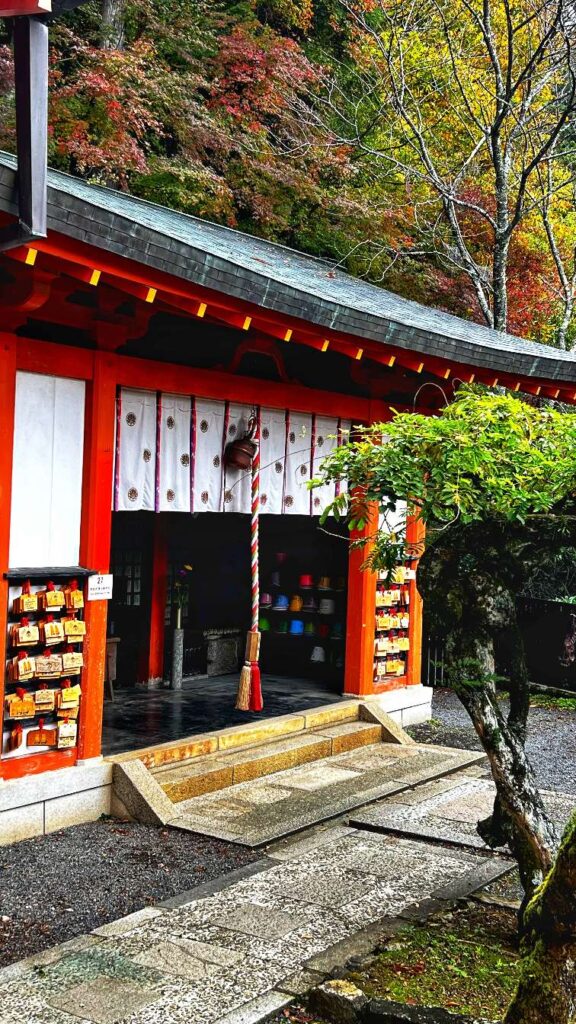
[
  {"x": 258, "y": 812},
  {"x": 190, "y": 783},
  {"x": 208, "y": 774},
  {"x": 241, "y": 736},
  {"x": 349, "y": 735}
]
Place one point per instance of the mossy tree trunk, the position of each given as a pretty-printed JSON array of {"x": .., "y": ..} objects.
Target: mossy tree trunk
[
  {"x": 470, "y": 580},
  {"x": 546, "y": 992},
  {"x": 495, "y": 830},
  {"x": 521, "y": 816}
]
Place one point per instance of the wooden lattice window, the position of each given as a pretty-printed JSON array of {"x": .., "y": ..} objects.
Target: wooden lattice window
[{"x": 128, "y": 578}]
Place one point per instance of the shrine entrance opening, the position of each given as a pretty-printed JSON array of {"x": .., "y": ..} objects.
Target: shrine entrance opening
[{"x": 195, "y": 569}]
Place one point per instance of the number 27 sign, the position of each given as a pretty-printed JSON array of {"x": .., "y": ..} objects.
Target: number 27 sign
[{"x": 100, "y": 587}]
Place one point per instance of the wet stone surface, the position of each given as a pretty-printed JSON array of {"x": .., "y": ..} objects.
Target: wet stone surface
[
  {"x": 247, "y": 813},
  {"x": 449, "y": 810},
  {"x": 231, "y": 952}
]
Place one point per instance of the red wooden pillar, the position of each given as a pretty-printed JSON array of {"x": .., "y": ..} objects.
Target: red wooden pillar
[
  {"x": 155, "y": 668},
  {"x": 95, "y": 533},
  {"x": 7, "y": 398},
  {"x": 415, "y": 533},
  {"x": 361, "y": 618}
]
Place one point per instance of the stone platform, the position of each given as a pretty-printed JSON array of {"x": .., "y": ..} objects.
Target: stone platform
[
  {"x": 448, "y": 809},
  {"x": 257, "y": 812}
]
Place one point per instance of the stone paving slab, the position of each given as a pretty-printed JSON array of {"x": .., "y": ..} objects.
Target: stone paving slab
[
  {"x": 235, "y": 955},
  {"x": 261, "y": 811},
  {"x": 448, "y": 810}
]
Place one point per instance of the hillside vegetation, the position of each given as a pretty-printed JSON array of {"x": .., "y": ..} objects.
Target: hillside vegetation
[{"x": 281, "y": 118}]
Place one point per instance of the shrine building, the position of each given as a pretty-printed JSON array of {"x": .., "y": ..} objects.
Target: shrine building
[{"x": 136, "y": 344}]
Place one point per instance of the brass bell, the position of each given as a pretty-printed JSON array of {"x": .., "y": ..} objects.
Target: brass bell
[{"x": 240, "y": 452}]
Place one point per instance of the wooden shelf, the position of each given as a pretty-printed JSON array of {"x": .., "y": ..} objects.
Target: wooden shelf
[{"x": 55, "y": 572}]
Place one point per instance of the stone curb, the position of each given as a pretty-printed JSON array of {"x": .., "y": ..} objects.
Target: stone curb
[
  {"x": 341, "y": 1002},
  {"x": 335, "y": 959},
  {"x": 217, "y": 884},
  {"x": 12, "y": 972},
  {"x": 365, "y": 940},
  {"x": 259, "y": 1009}
]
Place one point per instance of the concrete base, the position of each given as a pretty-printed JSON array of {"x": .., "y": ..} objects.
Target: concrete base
[
  {"x": 155, "y": 683},
  {"x": 409, "y": 705},
  {"x": 38, "y": 804}
]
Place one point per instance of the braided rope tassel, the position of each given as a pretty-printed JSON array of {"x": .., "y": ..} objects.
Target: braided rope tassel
[{"x": 249, "y": 696}]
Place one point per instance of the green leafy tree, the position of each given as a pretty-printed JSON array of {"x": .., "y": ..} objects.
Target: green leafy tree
[
  {"x": 463, "y": 111},
  {"x": 494, "y": 481}
]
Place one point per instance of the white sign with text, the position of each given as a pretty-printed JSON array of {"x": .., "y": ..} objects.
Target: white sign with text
[{"x": 100, "y": 587}]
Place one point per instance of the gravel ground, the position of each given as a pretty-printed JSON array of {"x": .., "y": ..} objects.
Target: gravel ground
[
  {"x": 551, "y": 738},
  {"x": 67, "y": 883}
]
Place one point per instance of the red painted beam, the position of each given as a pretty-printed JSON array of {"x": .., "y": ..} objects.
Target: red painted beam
[
  {"x": 129, "y": 276},
  {"x": 25, "y": 7},
  {"x": 176, "y": 379},
  {"x": 53, "y": 359},
  {"x": 148, "y": 374}
]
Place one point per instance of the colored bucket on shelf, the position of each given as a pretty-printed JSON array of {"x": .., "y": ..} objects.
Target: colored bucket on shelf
[{"x": 296, "y": 627}]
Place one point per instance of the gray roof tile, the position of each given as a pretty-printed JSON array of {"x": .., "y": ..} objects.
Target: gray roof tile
[{"x": 276, "y": 277}]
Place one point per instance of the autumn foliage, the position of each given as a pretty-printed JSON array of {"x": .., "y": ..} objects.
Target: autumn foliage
[{"x": 200, "y": 107}]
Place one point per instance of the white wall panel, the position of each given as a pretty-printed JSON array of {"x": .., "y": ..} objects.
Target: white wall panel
[
  {"x": 325, "y": 441},
  {"x": 47, "y": 471},
  {"x": 208, "y": 449},
  {"x": 272, "y": 456},
  {"x": 297, "y": 496},
  {"x": 344, "y": 436},
  {"x": 170, "y": 456},
  {"x": 237, "y": 482}
]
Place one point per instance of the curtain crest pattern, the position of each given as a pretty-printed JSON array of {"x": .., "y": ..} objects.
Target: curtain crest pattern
[{"x": 170, "y": 456}]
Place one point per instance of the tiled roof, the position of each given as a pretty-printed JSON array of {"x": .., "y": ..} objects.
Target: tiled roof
[{"x": 276, "y": 277}]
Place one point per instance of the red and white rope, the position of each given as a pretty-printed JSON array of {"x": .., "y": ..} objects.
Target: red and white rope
[{"x": 254, "y": 526}]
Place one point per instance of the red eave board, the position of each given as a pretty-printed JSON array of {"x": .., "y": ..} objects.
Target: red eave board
[{"x": 9, "y": 10}]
